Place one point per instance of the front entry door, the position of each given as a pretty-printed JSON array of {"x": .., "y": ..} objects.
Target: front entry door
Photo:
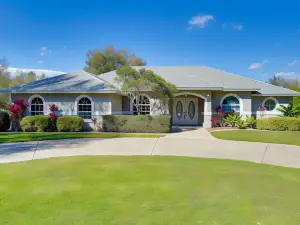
[{"x": 185, "y": 111}]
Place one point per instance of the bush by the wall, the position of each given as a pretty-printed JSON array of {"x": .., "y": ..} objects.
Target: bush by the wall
[
  {"x": 137, "y": 124},
  {"x": 70, "y": 124},
  {"x": 279, "y": 123},
  {"x": 4, "y": 121},
  {"x": 39, "y": 123}
]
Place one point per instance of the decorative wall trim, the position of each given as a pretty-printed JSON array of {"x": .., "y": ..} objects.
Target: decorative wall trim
[
  {"x": 37, "y": 96},
  {"x": 238, "y": 97}
]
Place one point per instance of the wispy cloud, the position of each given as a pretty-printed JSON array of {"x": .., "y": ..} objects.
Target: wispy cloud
[
  {"x": 293, "y": 63},
  {"x": 233, "y": 26},
  {"x": 38, "y": 72},
  {"x": 238, "y": 27},
  {"x": 200, "y": 21},
  {"x": 288, "y": 74},
  {"x": 40, "y": 62},
  {"x": 255, "y": 66},
  {"x": 43, "y": 50}
]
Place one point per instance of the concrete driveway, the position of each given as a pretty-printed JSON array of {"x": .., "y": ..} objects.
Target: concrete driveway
[{"x": 173, "y": 145}]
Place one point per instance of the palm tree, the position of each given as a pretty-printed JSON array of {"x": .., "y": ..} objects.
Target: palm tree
[{"x": 290, "y": 110}]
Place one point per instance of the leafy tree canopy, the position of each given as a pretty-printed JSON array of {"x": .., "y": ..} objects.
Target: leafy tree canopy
[
  {"x": 293, "y": 84},
  {"x": 102, "y": 61},
  {"x": 134, "y": 83}
]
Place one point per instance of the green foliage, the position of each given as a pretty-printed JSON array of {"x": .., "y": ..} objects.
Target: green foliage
[
  {"x": 70, "y": 124},
  {"x": 109, "y": 59},
  {"x": 137, "y": 124},
  {"x": 233, "y": 119},
  {"x": 134, "y": 82},
  {"x": 241, "y": 124},
  {"x": 293, "y": 84},
  {"x": 39, "y": 123},
  {"x": 251, "y": 121},
  {"x": 290, "y": 110},
  {"x": 4, "y": 121},
  {"x": 279, "y": 123}
]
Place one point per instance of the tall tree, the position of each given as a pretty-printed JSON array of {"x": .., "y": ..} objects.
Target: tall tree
[
  {"x": 133, "y": 83},
  {"x": 293, "y": 84},
  {"x": 5, "y": 81},
  {"x": 102, "y": 61}
]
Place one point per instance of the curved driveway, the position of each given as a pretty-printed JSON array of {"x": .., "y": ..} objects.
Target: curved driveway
[{"x": 184, "y": 144}]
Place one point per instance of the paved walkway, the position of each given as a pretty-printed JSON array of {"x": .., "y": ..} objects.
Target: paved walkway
[{"x": 173, "y": 144}]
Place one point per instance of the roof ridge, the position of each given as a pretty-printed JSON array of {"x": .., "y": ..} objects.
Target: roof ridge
[
  {"x": 250, "y": 79},
  {"x": 97, "y": 77}
]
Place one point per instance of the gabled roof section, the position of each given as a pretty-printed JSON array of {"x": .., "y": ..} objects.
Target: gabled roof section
[
  {"x": 206, "y": 78},
  {"x": 74, "y": 82}
]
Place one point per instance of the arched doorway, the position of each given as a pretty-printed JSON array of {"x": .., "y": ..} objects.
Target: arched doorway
[{"x": 188, "y": 109}]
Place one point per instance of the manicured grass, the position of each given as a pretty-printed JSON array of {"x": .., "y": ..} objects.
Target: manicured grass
[
  {"x": 278, "y": 137},
  {"x": 23, "y": 137},
  {"x": 148, "y": 190}
]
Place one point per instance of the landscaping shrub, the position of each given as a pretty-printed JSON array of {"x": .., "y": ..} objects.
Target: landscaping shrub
[
  {"x": 39, "y": 123},
  {"x": 4, "y": 121},
  {"x": 70, "y": 124},
  {"x": 279, "y": 123},
  {"x": 137, "y": 124}
]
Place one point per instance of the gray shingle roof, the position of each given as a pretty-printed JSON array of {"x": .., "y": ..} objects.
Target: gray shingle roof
[
  {"x": 205, "y": 78},
  {"x": 75, "y": 82},
  {"x": 184, "y": 77}
]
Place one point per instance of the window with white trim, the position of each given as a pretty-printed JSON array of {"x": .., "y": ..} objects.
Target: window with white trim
[
  {"x": 37, "y": 106},
  {"x": 269, "y": 104},
  {"x": 84, "y": 108},
  {"x": 231, "y": 103},
  {"x": 143, "y": 105}
]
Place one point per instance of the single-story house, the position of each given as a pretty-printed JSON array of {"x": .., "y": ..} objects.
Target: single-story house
[{"x": 200, "y": 91}]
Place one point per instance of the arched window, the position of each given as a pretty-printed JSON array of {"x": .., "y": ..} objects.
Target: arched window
[
  {"x": 270, "y": 103},
  {"x": 37, "y": 106},
  {"x": 231, "y": 103},
  {"x": 84, "y": 108},
  {"x": 143, "y": 105}
]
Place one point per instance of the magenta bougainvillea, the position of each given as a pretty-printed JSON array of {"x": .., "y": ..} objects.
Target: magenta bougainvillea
[
  {"x": 53, "y": 107},
  {"x": 17, "y": 111},
  {"x": 53, "y": 116}
]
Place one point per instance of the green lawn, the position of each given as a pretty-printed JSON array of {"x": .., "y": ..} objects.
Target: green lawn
[
  {"x": 148, "y": 190},
  {"x": 278, "y": 137},
  {"x": 23, "y": 137}
]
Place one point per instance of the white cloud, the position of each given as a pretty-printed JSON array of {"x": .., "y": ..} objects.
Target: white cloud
[
  {"x": 38, "y": 72},
  {"x": 286, "y": 74},
  {"x": 40, "y": 62},
  {"x": 43, "y": 50},
  {"x": 254, "y": 66},
  {"x": 293, "y": 63},
  {"x": 238, "y": 27},
  {"x": 233, "y": 26},
  {"x": 200, "y": 21}
]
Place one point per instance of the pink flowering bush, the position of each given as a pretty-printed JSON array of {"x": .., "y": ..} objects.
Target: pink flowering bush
[
  {"x": 94, "y": 120},
  {"x": 262, "y": 111},
  {"x": 17, "y": 111},
  {"x": 53, "y": 107},
  {"x": 218, "y": 121},
  {"x": 53, "y": 115}
]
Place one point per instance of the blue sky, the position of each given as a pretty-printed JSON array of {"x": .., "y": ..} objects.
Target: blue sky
[{"x": 252, "y": 38}]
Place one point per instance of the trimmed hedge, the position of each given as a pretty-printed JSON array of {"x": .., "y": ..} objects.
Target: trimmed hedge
[
  {"x": 39, "y": 123},
  {"x": 70, "y": 124},
  {"x": 279, "y": 123},
  {"x": 4, "y": 121},
  {"x": 137, "y": 124}
]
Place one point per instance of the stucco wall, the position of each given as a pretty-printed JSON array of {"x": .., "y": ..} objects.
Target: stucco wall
[
  {"x": 103, "y": 103},
  {"x": 257, "y": 102}
]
